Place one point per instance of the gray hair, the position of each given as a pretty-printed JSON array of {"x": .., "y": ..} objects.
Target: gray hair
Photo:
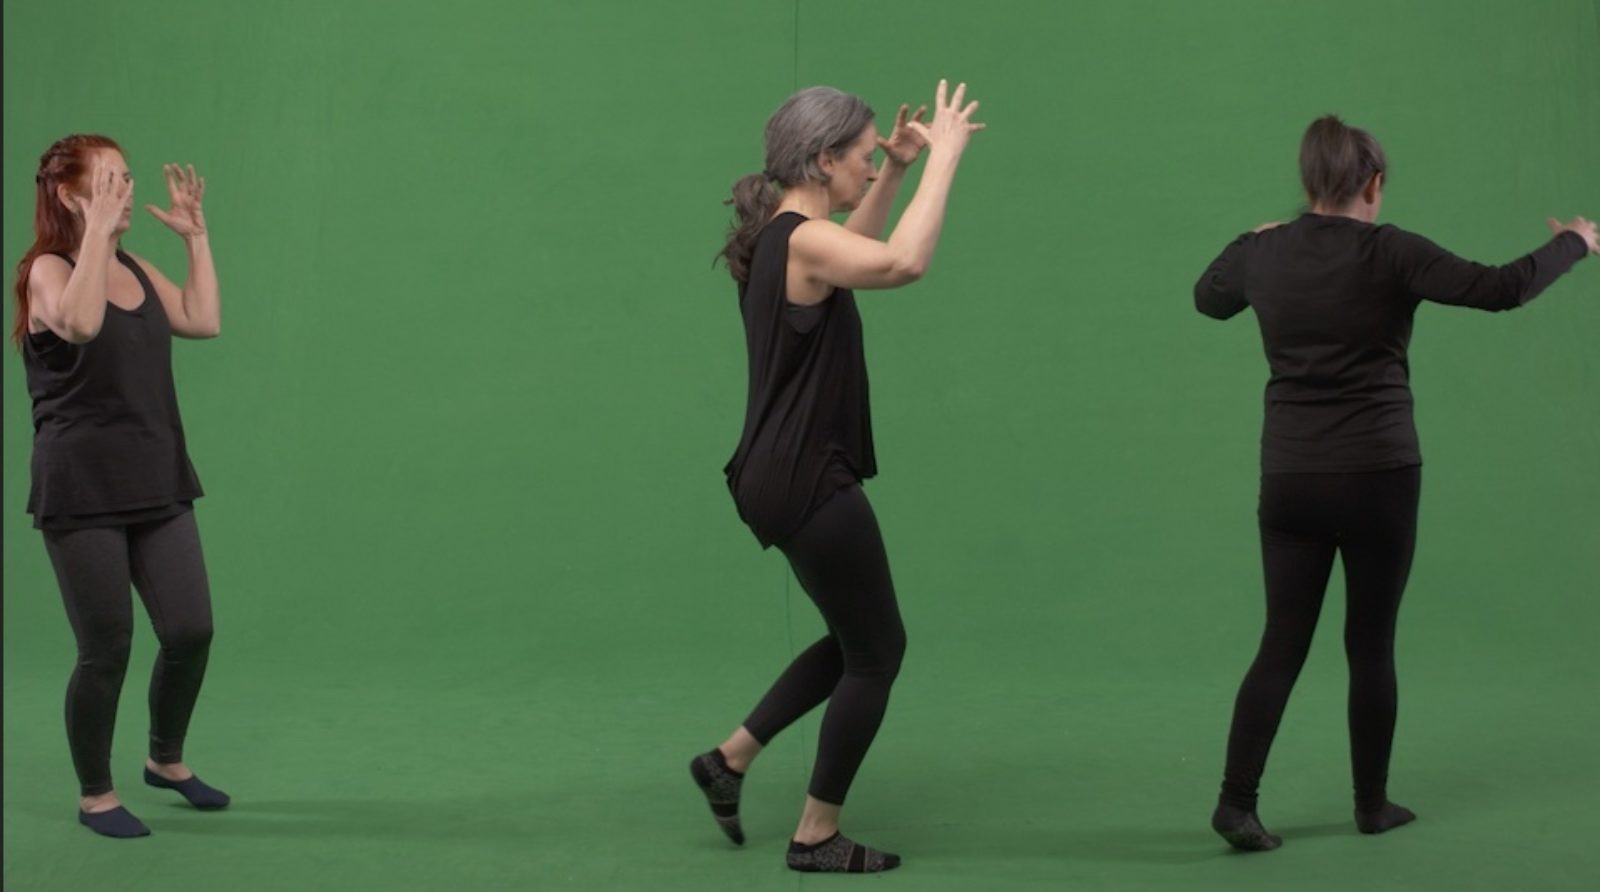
[{"x": 812, "y": 121}]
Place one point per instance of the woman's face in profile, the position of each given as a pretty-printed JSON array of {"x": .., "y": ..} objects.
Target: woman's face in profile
[{"x": 854, "y": 171}]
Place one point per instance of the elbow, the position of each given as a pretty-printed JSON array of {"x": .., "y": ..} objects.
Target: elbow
[
  {"x": 1506, "y": 299},
  {"x": 1510, "y": 291},
  {"x": 909, "y": 270},
  {"x": 80, "y": 332},
  {"x": 198, "y": 329},
  {"x": 1202, "y": 298},
  {"x": 1206, "y": 306}
]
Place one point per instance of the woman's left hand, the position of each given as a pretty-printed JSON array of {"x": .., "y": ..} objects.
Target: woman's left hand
[
  {"x": 904, "y": 143},
  {"x": 185, "y": 217}
]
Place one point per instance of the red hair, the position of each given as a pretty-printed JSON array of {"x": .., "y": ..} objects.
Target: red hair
[{"x": 55, "y": 228}]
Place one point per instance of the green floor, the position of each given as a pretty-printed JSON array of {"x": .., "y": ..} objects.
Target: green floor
[{"x": 1029, "y": 745}]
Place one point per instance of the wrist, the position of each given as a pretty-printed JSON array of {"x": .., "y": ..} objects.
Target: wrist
[{"x": 940, "y": 156}]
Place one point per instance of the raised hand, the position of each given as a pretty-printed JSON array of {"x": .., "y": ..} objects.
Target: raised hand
[
  {"x": 186, "y": 190},
  {"x": 904, "y": 144},
  {"x": 952, "y": 124},
  {"x": 1584, "y": 227},
  {"x": 108, "y": 197}
]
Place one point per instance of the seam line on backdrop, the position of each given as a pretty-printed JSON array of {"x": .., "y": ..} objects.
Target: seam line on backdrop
[{"x": 788, "y": 601}]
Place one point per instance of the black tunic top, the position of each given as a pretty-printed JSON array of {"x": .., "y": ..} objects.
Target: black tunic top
[
  {"x": 807, "y": 426},
  {"x": 1335, "y": 299},
  {"x": 108, "y": 445}
]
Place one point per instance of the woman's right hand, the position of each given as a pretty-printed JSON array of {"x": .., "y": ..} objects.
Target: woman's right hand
[
  {"x": 108, "y": 198},
  {"x": 952, "y": 125},
  {"x": 1583, "y": 227}
]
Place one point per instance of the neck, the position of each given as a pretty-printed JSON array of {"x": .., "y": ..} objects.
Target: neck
[
  {"x": 1355, "y": 210},
  {"x": 807, "y": 199}
]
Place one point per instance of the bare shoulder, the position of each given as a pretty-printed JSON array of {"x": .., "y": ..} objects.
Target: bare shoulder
[
  {"x": 819, "y": 238},
  {"x": 48, "y": 270}
]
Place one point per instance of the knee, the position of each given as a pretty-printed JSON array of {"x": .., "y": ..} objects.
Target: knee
[
  {"x": 105, "y": 649},
  {"x": 882, "y": 656},
  {"x": 1371, "y": 667},
  {"x": 1276, "y": 670},
  {"x": 896, "y": 649},
  {"x": 1368, "y": 648},
  {"x": 187, "y": 639},
  {"x": 1283, "y": 655}
]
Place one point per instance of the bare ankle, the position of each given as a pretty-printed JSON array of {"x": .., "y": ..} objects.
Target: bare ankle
[
  {"x": 740, "y": 749},
  {"x": 818, "y": 821},
  {"x": 810, "y": 836},
  {"x": 173, "y": 771},
  {"x": 99, "y": 802},
  {"x": 735, "y": 760}
]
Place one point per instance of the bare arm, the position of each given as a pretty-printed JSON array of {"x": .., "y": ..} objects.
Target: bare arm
[
  {"x": 834, "y": 256},
  {"x": 869, "y": 217},
  {"x": 195, "y": 310},
  {"x": 199, "y": 291},
  {"x": 71, "y": 300},
  {"x": 900, "y": 151}
]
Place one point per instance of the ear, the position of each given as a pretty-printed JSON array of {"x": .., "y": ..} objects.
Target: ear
[
  {"x": 1373, "y": 189},
  {"x": 65, "y": 196},
  {"x": 827, "y": 162}
]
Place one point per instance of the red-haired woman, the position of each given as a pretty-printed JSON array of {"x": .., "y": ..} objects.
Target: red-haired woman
[{"x": 113, "y": 489}]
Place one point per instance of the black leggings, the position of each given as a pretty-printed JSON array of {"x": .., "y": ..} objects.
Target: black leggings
[
  {"x": 839, "y": 559},
  {"x": 1371, "y": 521},
  {"x": 94, "y": 568}
]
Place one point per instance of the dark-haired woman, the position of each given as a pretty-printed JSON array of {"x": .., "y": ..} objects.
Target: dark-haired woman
[
  {"x": 112, "y": 487},
  {"x": 807, "y": 440},
  {"x": 1335, "y": 294}
]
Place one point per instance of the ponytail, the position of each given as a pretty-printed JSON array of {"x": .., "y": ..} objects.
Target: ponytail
[
  {"x": 755, "y": 198},
  {"x": 1337, "y": 160},
  {"x": 812, "y": 121}
]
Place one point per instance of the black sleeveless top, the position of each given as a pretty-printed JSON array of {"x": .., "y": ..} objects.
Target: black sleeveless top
[
  {"x": 807, "y": 426},
  {"x": 108, "y": 445}
]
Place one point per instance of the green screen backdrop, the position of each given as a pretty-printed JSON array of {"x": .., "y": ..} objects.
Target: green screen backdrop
[{"x": 481, "y": 591}]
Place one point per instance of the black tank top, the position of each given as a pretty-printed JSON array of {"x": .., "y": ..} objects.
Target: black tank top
[
  {"x": 807, "y": 426},
  {"x": 108, "y": 444}
]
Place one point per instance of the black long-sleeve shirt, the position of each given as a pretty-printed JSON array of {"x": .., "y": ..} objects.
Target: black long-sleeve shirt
[{"x": 1335, "y": 298}]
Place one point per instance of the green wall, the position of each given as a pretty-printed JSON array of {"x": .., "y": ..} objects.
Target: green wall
[{"x": 469, "y": 543}]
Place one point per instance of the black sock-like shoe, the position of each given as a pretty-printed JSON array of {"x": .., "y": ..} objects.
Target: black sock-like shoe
[
  {"x": 118, "y": 823},
  {"x": 839, "y": 854},
  {"x": 721, "y": 786},
  {"x": 1388, "y": 817},
  {"x": 199, "y": 794},
  {"x": 1243, "y": 830}
]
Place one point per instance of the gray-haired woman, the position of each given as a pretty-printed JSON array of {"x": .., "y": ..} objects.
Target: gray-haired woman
[{"x": 807, "y": 441}]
